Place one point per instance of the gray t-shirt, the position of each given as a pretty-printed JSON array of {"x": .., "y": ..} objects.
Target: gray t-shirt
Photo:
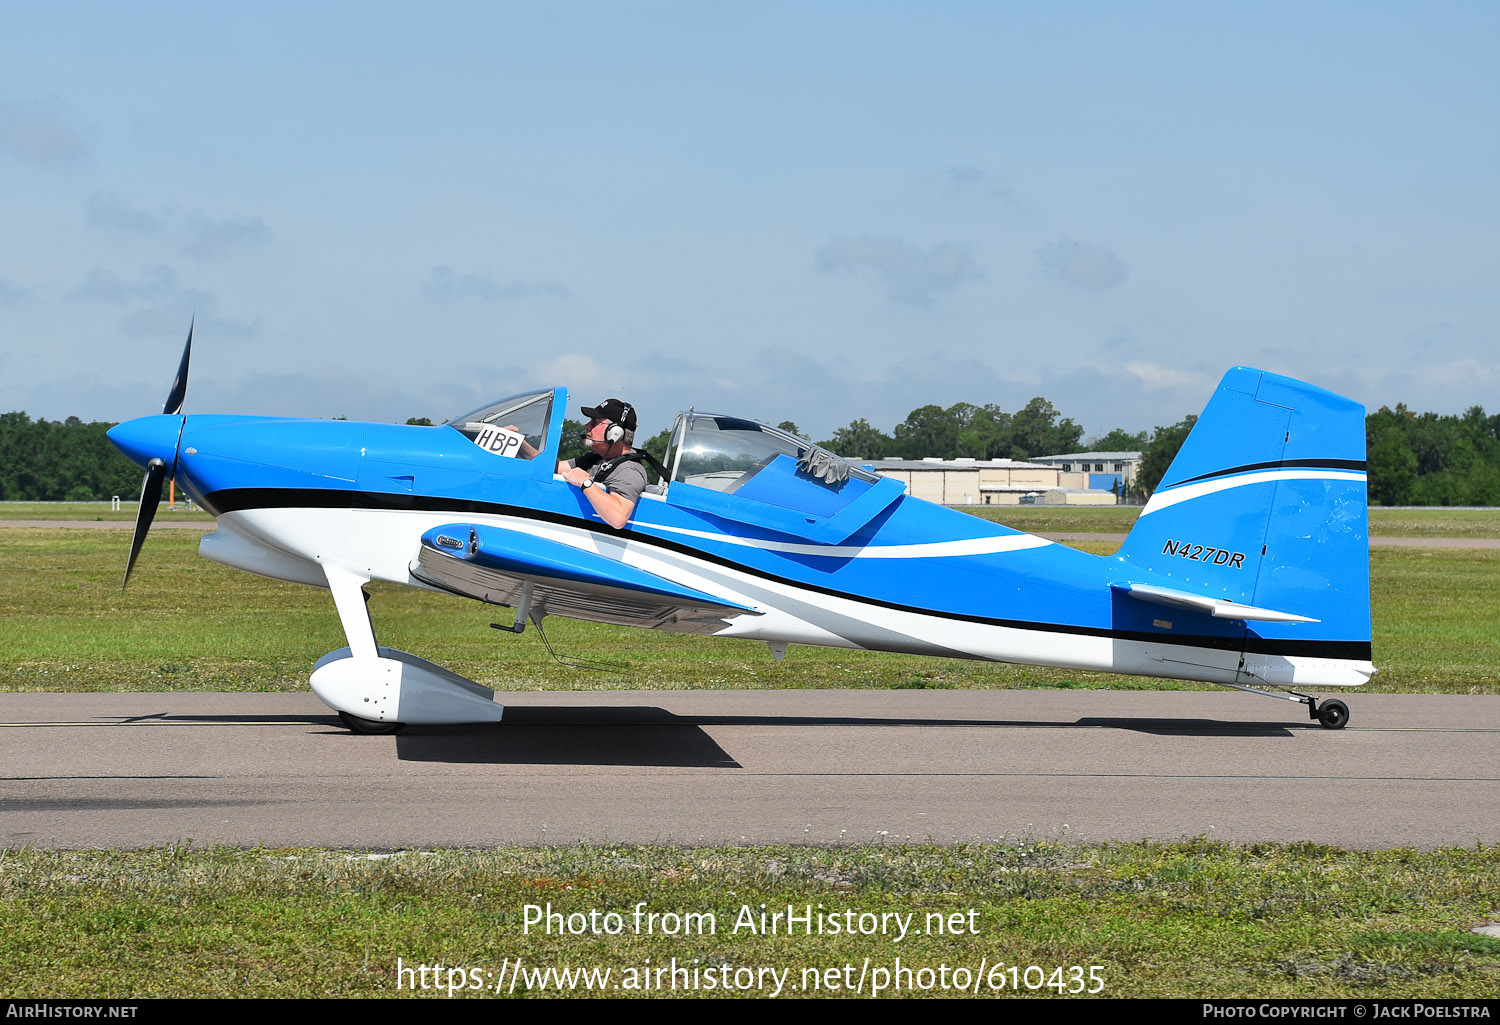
[{"x": 627, "y": 478}]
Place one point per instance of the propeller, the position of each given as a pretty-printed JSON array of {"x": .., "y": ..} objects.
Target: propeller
[{"x": 157, "y": 470}]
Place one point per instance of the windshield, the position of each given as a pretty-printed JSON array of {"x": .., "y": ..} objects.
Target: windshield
[
  {"x": 723, "y": 452},
  {"x": 515, "y": 427}
]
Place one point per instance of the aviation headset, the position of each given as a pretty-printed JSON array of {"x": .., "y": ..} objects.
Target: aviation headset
[{"x": 614, "y": 432}]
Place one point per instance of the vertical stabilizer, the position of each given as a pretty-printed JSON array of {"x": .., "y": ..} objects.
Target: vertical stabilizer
[{"x": 1265, "y": 506}]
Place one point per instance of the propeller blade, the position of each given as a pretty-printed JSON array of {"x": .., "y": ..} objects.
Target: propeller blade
[
  {"x": 179, "y": 383},
  {"x": 156, "y": 474}
]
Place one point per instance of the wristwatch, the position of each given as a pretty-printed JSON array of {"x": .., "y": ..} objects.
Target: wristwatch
[{"x": 586, "y": 484}]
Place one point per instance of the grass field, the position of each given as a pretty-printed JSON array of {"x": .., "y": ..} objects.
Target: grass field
[
  {"x": 187, "y": 623},
  {"x": 1191, "y": 919}
]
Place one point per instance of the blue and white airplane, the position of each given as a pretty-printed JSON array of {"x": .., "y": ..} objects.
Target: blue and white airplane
[{"x": 1249, "y": 567}]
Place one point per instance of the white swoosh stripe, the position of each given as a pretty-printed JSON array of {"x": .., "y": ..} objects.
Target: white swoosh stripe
[
  {"x": 929, "y": 550},
  {"x": 1165, "y": 499}
]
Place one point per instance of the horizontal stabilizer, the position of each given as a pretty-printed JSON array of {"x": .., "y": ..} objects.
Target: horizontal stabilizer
[
  {"x": 1222, "y": 608},
  {"x": 494, "y": 563}
]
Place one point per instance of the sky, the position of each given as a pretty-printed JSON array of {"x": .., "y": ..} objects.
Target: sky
[{"x": 808, "y": 211}]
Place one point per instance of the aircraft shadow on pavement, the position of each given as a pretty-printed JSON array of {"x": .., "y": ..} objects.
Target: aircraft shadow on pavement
[
  {"x": 1164, "y": 727},
  {"x": 1197, "y": 727},
  {"x": 652, "y": 736},
  {"x": 649, "y": 736},
  {"x": 643, "y": 736},
  {"x": 559, "y": 735}
]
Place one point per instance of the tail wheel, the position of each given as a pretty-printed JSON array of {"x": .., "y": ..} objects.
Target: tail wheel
[
  {"x": 373, "y": 727},
  {"x": 1334, "y": 714}
]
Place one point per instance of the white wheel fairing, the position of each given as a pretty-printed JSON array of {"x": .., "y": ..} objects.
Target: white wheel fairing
[{"x": 399, "y": 687}]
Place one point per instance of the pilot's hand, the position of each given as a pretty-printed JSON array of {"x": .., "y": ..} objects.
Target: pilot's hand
[
  {"x": 574, "y": 476},
  {"x": 527, "y": 450}
]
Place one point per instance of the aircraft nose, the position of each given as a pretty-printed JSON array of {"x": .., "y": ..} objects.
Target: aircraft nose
[{"x": 148, "y": 437}]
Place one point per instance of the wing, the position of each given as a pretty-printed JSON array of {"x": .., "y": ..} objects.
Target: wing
[{"x": 494, "y": 563}]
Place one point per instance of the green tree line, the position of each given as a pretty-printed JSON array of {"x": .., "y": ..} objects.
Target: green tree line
[
  {"x": 1414, "y": 458},
  {"x": 966, "y": 430},
  {"x": 1426, "y": 459},
  {"x": 62, "y": 461}
]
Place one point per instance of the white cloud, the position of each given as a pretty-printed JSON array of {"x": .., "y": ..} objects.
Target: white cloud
[
  {"x": 39, "y": 132},
  {"x": 169, "y": 321},
  {"x": 912, "y": 275},
  {"x": 205, "y": 238},
  {"x": 445, "y": 284},
  {"x": 158, "y": 286},
  {"x": 159, "y": 304},
  {"x": 578, "y": 371},
  {"x": 104, "y": 286},
  {"x": 1154, "y": 377},
  {"x": 112, "y": 210},
  {"x": 1092, "y": 267},
  {"x": 1432, "y": 385},
  {"x": 965, "y": 178},
  {"x": 1120, "y": 344},
  {"x": 1444, "y": 340},
  {"x": 209, "y": 238}
]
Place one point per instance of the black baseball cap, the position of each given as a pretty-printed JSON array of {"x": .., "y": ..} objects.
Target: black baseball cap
[{"x": 616, "y": 411}]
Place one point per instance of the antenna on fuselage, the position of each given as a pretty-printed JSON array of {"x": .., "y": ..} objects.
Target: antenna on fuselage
[{"x": 524, "y": 611}]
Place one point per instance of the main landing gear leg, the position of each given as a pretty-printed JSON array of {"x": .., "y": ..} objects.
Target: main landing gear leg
[
  {"x": 352, "y": 602},
  {"x": 378, "y": 690}
]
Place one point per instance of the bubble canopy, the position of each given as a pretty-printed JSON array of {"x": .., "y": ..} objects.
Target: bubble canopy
[{"x": 706, "y": 450}]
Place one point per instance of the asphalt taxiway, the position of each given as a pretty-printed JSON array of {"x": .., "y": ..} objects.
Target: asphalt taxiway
[{"x": 755, "y": 767}]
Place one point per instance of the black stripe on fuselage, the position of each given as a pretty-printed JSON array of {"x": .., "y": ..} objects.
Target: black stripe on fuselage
[
  {"x": 239, "y": 499},
  {"x": 1320, "y": 464}
]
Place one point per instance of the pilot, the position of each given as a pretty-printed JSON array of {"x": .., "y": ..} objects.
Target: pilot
[{"x": 610, "y": 473}]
